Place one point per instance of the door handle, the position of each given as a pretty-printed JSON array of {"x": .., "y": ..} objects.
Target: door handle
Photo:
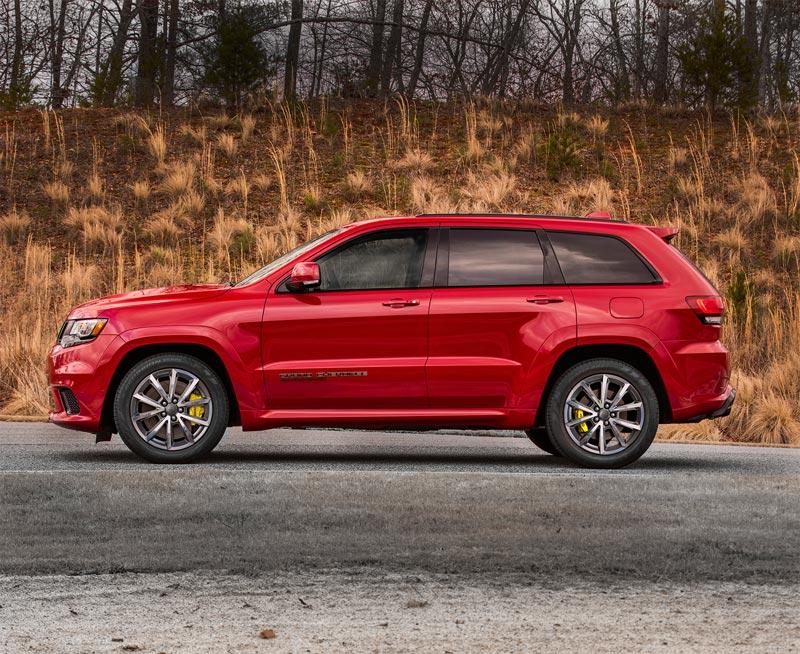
[
  {"x": 545, "y": 299},
  {"x": 398, "y": 303}
]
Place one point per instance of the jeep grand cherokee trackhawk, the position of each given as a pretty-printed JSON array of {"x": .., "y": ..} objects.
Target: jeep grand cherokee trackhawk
[{"x": 586, "y": 333}]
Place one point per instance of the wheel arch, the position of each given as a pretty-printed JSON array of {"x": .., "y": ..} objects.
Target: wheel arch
[
  {"x": 206, "y": 354},
  {"x": 630, "y": 354}
]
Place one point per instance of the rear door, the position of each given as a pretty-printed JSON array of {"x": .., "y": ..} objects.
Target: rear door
[{"x": 497, "y": 302}]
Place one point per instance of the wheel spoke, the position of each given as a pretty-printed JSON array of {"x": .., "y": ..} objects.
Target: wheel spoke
[
  {"x": 146, "y": 414},
  {"x": 188, "y": 390},
  {"x": 157, "y": 385},
  {"x": 187, "y": 431},
  {"x": 601, "y": 439},
  {"x": 154, "y": 431},
  {"x": 146, "y": 400},
  {"x": 589, "y": 434},
  {"x": 604, "y": 391},
  {"x": 169, "y": 434},
  {"x": 582, "y": 407},
  {"x": 629, "y": 407},
  {"x": 191, "y": 403},
  {"x": 588, "y": 390},
  {"x": 198, "y": 421},
  {"x": 620, "y": 438},
  {"x": 620, "y": 395},
  {"x": 634, "y": 426},
  {"x": 173, "y": 382},
  {"x": 578, "y": 421}
]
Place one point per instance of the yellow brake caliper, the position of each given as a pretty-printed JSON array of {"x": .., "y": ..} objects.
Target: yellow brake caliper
[
  {"x": 197, "y": 411},
  {"x": 582, "y": 426}
]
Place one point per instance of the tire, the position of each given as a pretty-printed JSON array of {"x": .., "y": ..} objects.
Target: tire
[
  {"x": 171, "y": 443},
  {"x": 541, "y": 439},
  {"x": 569, "y": 426}
]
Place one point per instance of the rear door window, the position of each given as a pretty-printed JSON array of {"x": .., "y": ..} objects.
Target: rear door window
[
  {"x": 495, "y": 257},
  {"x": 598, "y": 259}
]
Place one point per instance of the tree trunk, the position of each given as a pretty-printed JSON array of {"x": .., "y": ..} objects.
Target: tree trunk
[
  {"x": 16, "y": 84},
  {"x": 623, "y": 82},
  {"x": 391, "y": 60},
  {"x": 661, "y": 73},
  {"x": 419, "y": 55},
  {"x": 293, "y": 51},
  {"x": 168, "y": 91},
  {"x": 765, "y": 56},
  {"x": 376, "y": 50},
  {"x": 145, "y": 86},
  {"x": 110, "y": 78}
]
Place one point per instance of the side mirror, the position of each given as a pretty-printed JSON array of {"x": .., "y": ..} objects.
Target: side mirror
[{"x": 304, "y": 275}]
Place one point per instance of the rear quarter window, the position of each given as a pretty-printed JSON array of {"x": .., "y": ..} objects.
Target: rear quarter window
[{"x": 598, "y": 259}]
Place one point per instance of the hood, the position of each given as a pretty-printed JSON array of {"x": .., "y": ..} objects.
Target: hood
[{"x": 149, "y": 296}]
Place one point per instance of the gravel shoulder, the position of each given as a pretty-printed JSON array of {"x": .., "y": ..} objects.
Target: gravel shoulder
[{"x": 357, "y": 611}]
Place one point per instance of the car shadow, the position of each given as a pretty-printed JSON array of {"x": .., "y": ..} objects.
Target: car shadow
[{"x": 240, "y": 457}]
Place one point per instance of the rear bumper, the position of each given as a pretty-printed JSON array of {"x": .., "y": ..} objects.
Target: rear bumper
[{"x": 718, "y": 408}]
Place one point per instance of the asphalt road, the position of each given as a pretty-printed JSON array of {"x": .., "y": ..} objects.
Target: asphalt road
[
  {"x": 433, "y": 501},
  {"x": 368, "y": 541}
]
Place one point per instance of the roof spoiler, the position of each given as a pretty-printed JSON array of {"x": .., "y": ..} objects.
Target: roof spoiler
[{"x": 666, "y": 234}]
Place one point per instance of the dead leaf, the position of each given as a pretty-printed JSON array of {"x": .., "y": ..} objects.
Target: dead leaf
[
  {"x": 267, "y": 633},
  {"x": 416, "y": 604},
  {"x": 131, "y": 648}
]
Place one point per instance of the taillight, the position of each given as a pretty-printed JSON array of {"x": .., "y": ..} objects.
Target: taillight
[{"x": 709, "y": 308}]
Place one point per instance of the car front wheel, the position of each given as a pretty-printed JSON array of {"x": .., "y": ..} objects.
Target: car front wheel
[
  {"x": 602, "y": 413},
  {"x": 171, "y": 408}
]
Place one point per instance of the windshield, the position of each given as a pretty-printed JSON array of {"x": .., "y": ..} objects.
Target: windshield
[{"x": 296, "y": 252}]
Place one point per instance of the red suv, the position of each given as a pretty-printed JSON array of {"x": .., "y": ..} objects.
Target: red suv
[{"x": 584, "y": 332}]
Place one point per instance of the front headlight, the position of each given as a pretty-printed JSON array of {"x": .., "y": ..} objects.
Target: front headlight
[{"x": 75, "y": 332}]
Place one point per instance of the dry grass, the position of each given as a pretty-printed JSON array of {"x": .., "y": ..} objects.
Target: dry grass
[
  {"x": 157, "y": 144},
  {"x": 14, "y": 226},
  {"x": 227, "y": 144},
  {"x": 100, "y": 228},
  {"x": 356, "y": 184},
  {"x": 493, "y": 190},
  {"x": 141, "y": 190},
  {"x": 95, "y": 188},
  {"x": 178, "y": 178},
  {"x": 248, "y": 124},
  {"x": 209, "y": 207},
  {"x": 197, "y": 135},
  {"x": 597, "y": 126},
  {"x": 414, "y": 160},
  {"x": 57, "y": 191}
]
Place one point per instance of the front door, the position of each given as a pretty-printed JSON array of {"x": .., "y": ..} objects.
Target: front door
[
  {"x": 494, "y": 311},
  {"x": 358, "y": 341}
]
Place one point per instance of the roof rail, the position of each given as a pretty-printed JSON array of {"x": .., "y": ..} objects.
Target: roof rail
[{"x": 599, "y": 216}]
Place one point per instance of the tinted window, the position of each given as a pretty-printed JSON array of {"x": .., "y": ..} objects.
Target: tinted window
[
  {"x": 495, "y": 257},
  {"x": 594, "y": 259},
  {"x": 384, "y": 260}
]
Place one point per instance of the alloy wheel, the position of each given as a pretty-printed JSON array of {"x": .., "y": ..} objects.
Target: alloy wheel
[
  {"x": 604, "y": 414},
  {"x": 171, "y": 409}
]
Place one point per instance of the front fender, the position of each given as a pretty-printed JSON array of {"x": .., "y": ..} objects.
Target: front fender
[{"x": 241, "y": 360}]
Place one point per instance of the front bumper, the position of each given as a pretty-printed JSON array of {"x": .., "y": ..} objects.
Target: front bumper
[{"x": 85, "y": 371}]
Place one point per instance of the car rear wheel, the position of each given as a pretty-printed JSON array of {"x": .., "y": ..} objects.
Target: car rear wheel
[
  {"x": 602, "y": 413},
  {"x": 171, "y": 408}
]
